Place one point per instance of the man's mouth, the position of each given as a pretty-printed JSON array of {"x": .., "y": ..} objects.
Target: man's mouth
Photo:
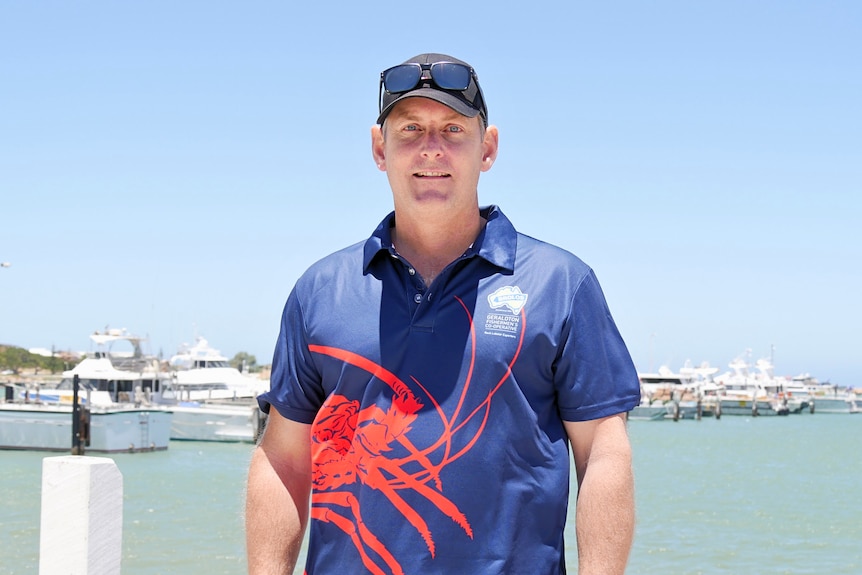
[{"x": 431, "y": 174}]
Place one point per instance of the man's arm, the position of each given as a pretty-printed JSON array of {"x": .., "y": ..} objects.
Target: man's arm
[
  {"x": 277, "y": 499},
  {"x": 605, "y": 516}
]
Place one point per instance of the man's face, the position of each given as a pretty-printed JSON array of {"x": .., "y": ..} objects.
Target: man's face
[{"x": 432, "y": 154}]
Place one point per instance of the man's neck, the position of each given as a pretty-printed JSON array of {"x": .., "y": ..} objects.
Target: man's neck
[{"x": 430, "y": 247}]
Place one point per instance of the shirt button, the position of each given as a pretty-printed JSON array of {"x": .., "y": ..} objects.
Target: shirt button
[
  {"x": 411, "y": 271},
  {"x": 417, "y": 298}
]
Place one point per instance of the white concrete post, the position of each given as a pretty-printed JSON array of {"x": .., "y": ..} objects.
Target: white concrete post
[{"x": 82, "y": 516}]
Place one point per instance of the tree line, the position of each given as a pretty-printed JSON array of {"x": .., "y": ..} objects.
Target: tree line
[{"x": 18, "y": 359}]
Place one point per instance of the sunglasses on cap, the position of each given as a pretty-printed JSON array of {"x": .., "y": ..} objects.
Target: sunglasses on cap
[{"x": 450, "y": 76}]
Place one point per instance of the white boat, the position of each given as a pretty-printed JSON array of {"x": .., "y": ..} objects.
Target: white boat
[
  {"x": 648, "y": 411},
  {"x": 211, "y": 399},
  {"x": 826, "y": 397},
  {"x": 740, "y": 404},
  {"x": 836, "y": 400},
  {"x": 202, "y": 373},
  {"x": 687, "y": 394},
  {"x": 193, "y": 421},
  {"x": 45, "y": 423},
  {"x": 664, "y": 383},
  {"x": 799, "y": 398},
  {"x": 132, "y": 376},
  {"x": 125, "y": 375},
  {"x": 702, "y": 401},
  {"x": 744, "y": 393}
]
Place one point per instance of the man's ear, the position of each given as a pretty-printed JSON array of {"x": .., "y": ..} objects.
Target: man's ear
[
  {"x": 490, "y": 145},
  {"x": 377, "y": 147}
]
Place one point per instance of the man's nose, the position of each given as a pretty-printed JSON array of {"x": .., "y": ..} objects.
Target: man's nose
[{"x": 432, "y": 143}]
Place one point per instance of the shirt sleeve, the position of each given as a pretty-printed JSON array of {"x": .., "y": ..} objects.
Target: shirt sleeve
[
  {"x": 594, "y": 373},
  {"x": 295, "y": 383}
]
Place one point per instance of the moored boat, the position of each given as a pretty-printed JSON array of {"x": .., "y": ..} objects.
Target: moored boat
[
  {"x": 202, "y": 373},
  {"x": 648, "y": 411},
  {"x": 687, "y": 394},
  {"x": 196, "y": 412},
  {"x": 702, "y": 402},
  {"x": 744, "y": 393},
  {"x": 193, "y": 421},
  {"x": 844, "y": 401},
  {"x": 45, "y": 423},
  {"x": 734, "y": 404}
]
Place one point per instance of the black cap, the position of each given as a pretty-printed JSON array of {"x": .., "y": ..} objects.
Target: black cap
[{"x": 469, "y": 102}]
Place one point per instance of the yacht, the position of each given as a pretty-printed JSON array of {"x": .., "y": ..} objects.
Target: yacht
[
  {"x": 689, "y": 393},
  {"x": 202, "y": 409},
  {"x": 202, "y": 373},
  {"x": 745, "y": 393}
]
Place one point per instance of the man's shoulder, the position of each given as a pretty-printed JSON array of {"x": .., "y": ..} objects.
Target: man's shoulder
[
  {"x": 550, "y": 254},
  {"x": 347, "y": 260}
]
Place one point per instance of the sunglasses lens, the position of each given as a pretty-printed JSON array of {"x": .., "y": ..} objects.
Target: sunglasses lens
[
  {"x": 402, "y": 78},
  {"x": 447, "y": 76},
  {"x": 450, "y": 76}
]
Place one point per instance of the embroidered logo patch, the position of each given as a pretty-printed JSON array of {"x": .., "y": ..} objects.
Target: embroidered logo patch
[{"x": 510, "y": 297}]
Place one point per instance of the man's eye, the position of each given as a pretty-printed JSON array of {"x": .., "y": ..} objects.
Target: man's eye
[
  {"x": 411, "y": 128},
  {"x": 453, "y": 129}
]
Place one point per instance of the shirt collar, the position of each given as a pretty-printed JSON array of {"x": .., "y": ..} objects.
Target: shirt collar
[{"x": 496, "y": 242}]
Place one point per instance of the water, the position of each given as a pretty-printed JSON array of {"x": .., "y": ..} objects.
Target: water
[
  {"x": 182, "y": 510},
  {"x": 771, "y": 495},
  {"x": 742, "y": 495}
]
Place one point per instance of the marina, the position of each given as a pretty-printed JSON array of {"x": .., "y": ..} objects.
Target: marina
[
  {"x": 720, "y": 497},
  {"x": 696, "y": 392},
  {"x": 713, "y": 496},
  {"x": 130, "y": 401}
]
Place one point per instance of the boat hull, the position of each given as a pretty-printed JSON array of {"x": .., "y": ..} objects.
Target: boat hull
[
  {"x": 225, "y": 423},
  {"x": 749, "y": 407},
  {"x": 48, "y": 427},
  {"x": 849, "y": 404},
  {"x": 648, "y": 412}
]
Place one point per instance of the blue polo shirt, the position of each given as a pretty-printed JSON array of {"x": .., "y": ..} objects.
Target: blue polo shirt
[{"x": 437, "y": 437}]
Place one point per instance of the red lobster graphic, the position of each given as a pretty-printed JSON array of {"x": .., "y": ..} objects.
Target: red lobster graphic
[{"x": 350, "y": 445}]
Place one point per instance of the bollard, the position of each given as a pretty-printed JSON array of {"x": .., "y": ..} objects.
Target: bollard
[{"x": 82, "y": 516}]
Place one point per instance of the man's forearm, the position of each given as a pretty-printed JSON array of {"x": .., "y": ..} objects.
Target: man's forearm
[
  {"x": 275, "y": 519},
  {"x": 605, "y": 516}
]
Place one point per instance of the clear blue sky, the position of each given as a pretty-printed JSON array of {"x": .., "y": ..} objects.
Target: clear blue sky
[{"x": 172, "y": 167}]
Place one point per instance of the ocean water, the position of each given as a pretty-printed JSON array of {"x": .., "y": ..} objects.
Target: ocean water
[{"x": 768, "y": 495}]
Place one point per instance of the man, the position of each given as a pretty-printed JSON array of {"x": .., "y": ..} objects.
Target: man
[{"x": 427, "y": 382}]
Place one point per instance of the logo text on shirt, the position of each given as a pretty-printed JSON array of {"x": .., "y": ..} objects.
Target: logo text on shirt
[{"x": 503, "y": 323}]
